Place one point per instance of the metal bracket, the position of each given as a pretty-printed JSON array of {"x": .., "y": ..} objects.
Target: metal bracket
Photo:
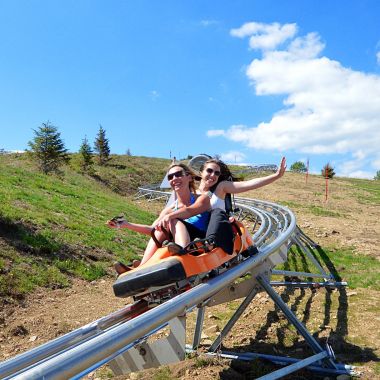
[{"x": 169, "y": 349}]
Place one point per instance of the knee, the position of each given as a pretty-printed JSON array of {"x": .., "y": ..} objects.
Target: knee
[{"x": 173, "y": 225}]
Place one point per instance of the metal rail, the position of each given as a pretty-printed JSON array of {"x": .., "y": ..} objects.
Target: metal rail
[{"x": 95, "y": 344}]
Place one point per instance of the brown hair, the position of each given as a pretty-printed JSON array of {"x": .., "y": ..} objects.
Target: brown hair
[
  {"x": 225, "y": 172},
  {"x": 188, "y": 171}
]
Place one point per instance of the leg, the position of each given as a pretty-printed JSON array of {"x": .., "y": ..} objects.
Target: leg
[
  {"x": 179, "y": 232},
  {"x": 151, "y": 248},
  {"x": 220, "y": 230}
]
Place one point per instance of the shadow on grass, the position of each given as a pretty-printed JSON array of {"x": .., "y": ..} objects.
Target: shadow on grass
[
  {"x": 117, "y": 166},
  {"x": 300, "y": 302},
  {"x": 27, "y": 240}
]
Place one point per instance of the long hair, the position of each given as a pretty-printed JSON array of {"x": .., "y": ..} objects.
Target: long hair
[
  {"x": 188, "y": 171},
  {"x": 225, "y": 172}
]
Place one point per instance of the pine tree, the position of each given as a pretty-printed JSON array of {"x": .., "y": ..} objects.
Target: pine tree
[
  {"x": 328, "y": 171},
  {"x": 48, "y": 148},
  {"x": 101, "y": 146},
  {"x": 377, "y": 176},
  {"x": 86, "y": 153}
]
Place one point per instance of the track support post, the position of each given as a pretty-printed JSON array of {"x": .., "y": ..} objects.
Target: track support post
[{"x": 315, "y": 346}]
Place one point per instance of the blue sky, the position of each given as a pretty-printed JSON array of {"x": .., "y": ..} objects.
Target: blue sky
[{"x": 248, "y": 80}]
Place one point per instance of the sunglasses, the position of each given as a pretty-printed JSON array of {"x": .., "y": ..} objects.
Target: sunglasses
[
  {"x": 178, "y": 174},
  {"x": 210, "y": 171}
]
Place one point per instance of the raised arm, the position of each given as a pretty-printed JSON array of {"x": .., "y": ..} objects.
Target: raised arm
[{"x": 239, "y": 187}]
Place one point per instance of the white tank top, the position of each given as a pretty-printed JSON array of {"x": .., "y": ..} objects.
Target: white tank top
[{"x": 216, "y": 202}]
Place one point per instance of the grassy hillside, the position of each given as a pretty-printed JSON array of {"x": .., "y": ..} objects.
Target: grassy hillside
[{"x": 52, "y": 228}]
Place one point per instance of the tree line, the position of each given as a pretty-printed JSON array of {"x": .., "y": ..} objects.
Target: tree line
[
  {"x": 326, "y": 171},
  {"x": 300, "y": 167},
  {"x": 50, "y": 153}
]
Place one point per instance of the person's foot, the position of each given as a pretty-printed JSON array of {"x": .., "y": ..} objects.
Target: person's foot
[
  {"x": 174, "y": 248},
  {"x": 121, "y": 268},
  {"x": 209, "y": 245},
  {"x": 199, "y": 246}
]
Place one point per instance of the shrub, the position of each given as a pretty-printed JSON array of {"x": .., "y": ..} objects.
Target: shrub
[
  {"x": 328, "y": 171},
  {"x": 298, "y": 167}
]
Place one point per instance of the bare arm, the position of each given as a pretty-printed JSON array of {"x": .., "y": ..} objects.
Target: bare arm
[
  {"x": 120, "y": 222},
  {"x": 201, "y": 205},
  {"x": 239, "y": 187}
]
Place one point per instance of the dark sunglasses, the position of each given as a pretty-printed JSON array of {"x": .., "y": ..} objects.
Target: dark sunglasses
[
  {"x": 210, "y": 171},
  {"x": 178, "y": 174}
]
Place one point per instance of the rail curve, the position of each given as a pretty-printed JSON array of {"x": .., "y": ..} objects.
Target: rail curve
[{"x": 73, "y": 355}]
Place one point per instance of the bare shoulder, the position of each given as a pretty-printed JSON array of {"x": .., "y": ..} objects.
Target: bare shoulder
[{"x": 223, "y": 188}]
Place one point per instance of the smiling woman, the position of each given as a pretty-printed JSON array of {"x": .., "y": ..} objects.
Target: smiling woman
[{"x": 181, "y": 180}]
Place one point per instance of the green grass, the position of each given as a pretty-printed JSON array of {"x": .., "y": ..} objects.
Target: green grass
[
  {"x": 124, "y": 174},
  {"x": 59, "y": 222},
  {"x": 366, "y": 191},
  {"x": 360, "y": 271},
  {"x": 48, "y": 210},
  {"x": 320, "y": 211},
  {"x": 163, "y": 373},
  {"x": 291, "y": 204},
  {"x": 81, "y": 269},
  {"x": 200, "y": 362}
]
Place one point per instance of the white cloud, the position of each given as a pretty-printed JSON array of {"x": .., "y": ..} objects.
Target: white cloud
[
  {"x": 378, "y": 57},
  {"x": 265, "y": 36},
  {"x": 233, "y": 157},
  {"x": 361, "y": 174},
  {"x": 207, "y": 23},
  {"x": 328, "y": 108},
  {"x": 215, "y": 132}
]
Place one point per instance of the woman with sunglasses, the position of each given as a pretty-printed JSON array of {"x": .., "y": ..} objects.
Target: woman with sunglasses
[
  {"x": 181, "y": 180},
  {"x": 216, "y": 182}
]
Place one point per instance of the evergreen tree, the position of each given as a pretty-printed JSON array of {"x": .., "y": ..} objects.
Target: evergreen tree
[
  {"x": 86, "y": 153},
  {"x": 101, "y": 146},
  {"x": 328, "y": 171},
  {"x": 48, "y": 148},
  {"x": 298, "y": 167},
  {"x": 377, "y": 176}
]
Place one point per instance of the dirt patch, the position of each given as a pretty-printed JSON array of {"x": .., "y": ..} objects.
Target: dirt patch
[
  {"x": 343, "y": 317},
  {"x": 47, "y": 314}
]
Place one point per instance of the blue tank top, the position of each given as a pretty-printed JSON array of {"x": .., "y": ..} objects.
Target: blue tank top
[{"x": 199, "y": 221}]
